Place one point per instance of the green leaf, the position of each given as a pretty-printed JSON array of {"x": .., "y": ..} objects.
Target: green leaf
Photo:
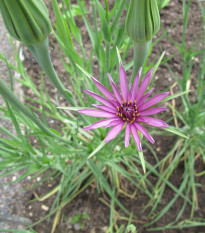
[
  {"x": 61, "y": 25},
  {"x": 84, "y": 71},
  {"x": 72, "y": 108},
  {"x": 158, "y": 63},
  {"x": 68, "y": 92},
  {"x": 118, "y": 55},
  {"x": 87, "y": 24},
  {"x": 9, "y": 143},
  {"x": 102, "y": 144},
  {"x": 141, "y": 155},
  {"x": 175, "y": 131},
  {"x": 131, "y": 229},
  {"x": 55, "y": 132},
  {"x": 162, "y": 3},
  {"x": 9, "y": 95},
  {"x": 174, "y": 96},
  {"x": 104, "y": 23}
]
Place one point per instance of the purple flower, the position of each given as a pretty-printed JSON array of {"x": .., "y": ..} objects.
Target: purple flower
[{"x": 131, "y": 107}]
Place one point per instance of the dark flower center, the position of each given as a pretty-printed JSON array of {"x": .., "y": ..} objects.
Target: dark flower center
[{"x": 128, "y": 111}]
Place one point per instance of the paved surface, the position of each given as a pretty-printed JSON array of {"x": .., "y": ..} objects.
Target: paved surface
[{"x": 11, "y": 203}]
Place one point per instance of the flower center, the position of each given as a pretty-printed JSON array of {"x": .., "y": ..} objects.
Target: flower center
[{"x": 128, "y": 111}]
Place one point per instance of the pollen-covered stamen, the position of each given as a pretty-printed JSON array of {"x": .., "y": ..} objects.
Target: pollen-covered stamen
[{"x": 128, "y": 111}]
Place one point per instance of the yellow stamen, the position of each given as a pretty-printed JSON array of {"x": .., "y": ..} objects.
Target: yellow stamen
[{"x": 138, "y": 114}]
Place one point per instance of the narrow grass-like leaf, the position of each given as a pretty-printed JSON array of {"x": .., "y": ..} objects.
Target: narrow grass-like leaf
[
  {"x": 84, "y": 71},
  {"x": 105, "y": 26},
  {"x": 174, "y": 96},
  {"x": 61, "y": 24},
  {"x": 157, "y": 64},
  {"x": 72, "y": 108},
  {"x": 102, "y": 144},
  {"x": 9, "y": 95},
  {"x": 142, "y": 160},
  {"x": 87, "y": 24},
  {"x": 118, "y": 55},
  {"x": 175, "y": 131}
]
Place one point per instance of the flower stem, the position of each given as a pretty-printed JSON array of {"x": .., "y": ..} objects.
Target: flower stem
[
  {"x": 40, "y": 51},
  {"x": 141, "y": 51}
]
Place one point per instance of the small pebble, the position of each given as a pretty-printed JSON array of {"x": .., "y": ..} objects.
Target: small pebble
[
  {"x": 44, "y": 207},
  {"x": 76, "y": 226},
  {"x": 158, "y": 149},
  {"x": 38, "y": 179}
]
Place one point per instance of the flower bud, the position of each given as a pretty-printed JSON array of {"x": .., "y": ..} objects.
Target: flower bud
[
  {"x": 143, "y": 20},
  {"x": 26, "y": 20}
]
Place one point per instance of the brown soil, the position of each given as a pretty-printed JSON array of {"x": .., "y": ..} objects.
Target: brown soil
[{"x": 89, "y": 201}]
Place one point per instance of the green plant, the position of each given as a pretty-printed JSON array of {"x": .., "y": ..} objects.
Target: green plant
[
  {"x": 185, "y": 151},
  {"x": 80, "y": 219},
  {"x": 76, "y": 157}
]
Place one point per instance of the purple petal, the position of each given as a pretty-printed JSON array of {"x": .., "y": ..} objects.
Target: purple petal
[
  {"x": 115, "y": 103},
  {"x": 144, "y": 132},
  {"x": 113, "y": 123},
  {"x": 114, "y": 132},
  {"x": 151, "y": 111},
  {"x": 136, "y": 137},
  {"x": 152, "y": 121},
  {"x": 123, "y": 82},
  {"x": 129, "y": 93},
  {"x": 100, "y": 99},
  {"x": 103, "y": 89},
  {"x": 105, "y": 108},
  {"x": 115, "y": 90},
  {"x": 98, "y": 124},
  {"x": 144, "y": 98},
  {"x": 127, "y": 135},
  {"x": 144, "y": 85},
  {"x": 154, "y": 100},
  {"x": 135, "y": 84},
  {"x": 96, "y": 113}
]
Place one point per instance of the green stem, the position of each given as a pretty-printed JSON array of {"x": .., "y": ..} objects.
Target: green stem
[
  {"x": 141, "y": 51},
  {"x": 40, "y": 51}
]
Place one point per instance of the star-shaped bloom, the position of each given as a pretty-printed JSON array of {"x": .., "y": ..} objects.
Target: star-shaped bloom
[{"x": 130, "y": 107}]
